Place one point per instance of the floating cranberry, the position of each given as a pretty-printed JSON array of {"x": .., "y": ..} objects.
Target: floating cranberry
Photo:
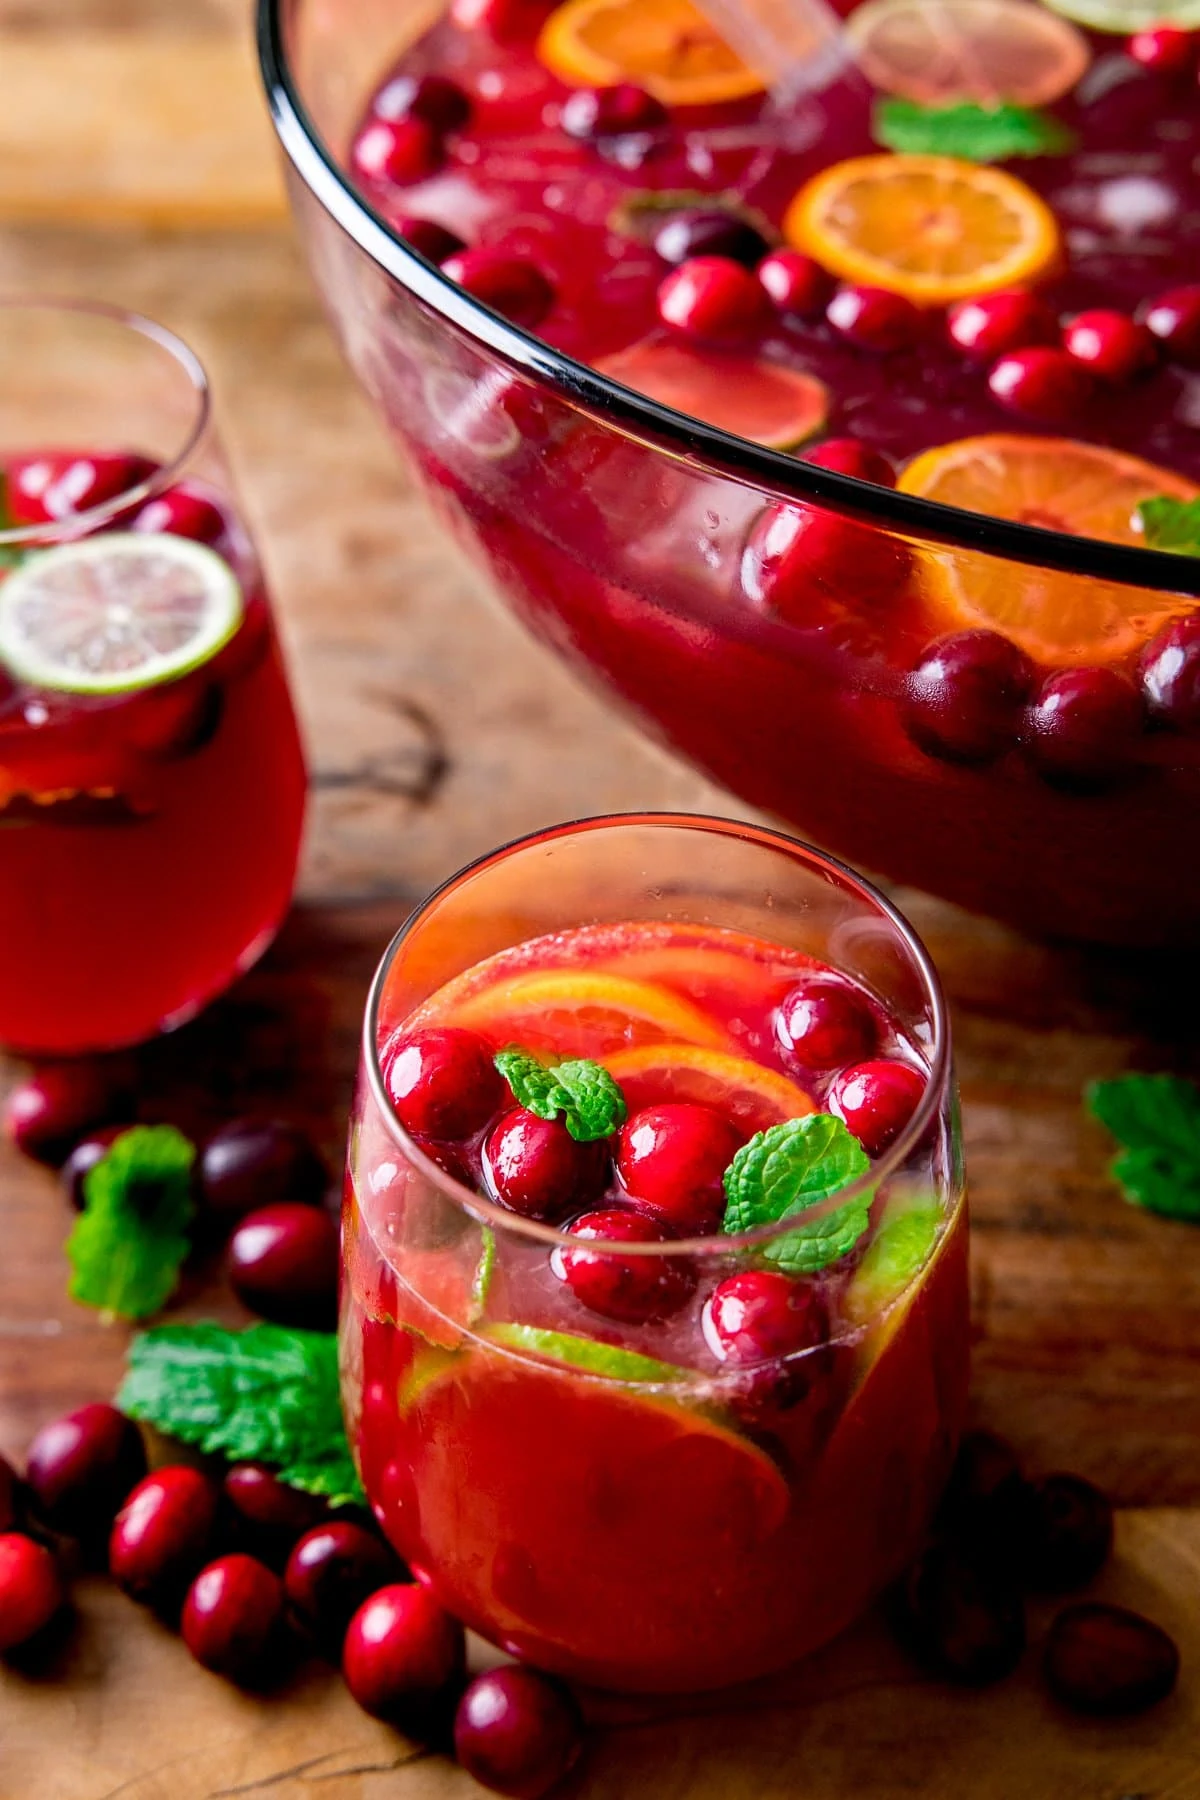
[
  {"x": 175, "y": 720},
  {"x": 182, "y": 513},
  {"x": 429, "y": 239},
  {"x": 850, "y": 456},
  {"x": 31, "y": 1589},
  {"x": 796, "y": 286},
  {"x": 712, "y": 233},
  {"x": 1174, "y": 319},
  {"x": 798, "y": 556},
  {"x": 1084, "y": 726},
  {"x": 874, "y": 318},
  {"x": 47, "y": 1112},
  {"x": 1162, "y": 48},
  {"x": 436, "y": 99},
  {"x": 232, "y": 1619},
  {"x": 1111, "y": 345},
  {"x": 331, "y": 1572},
  {"x": 283, "y": 1264},
  {"x": 965, "y": 697},
  {"x": 81, "y": 1469},
  {"x": 442, "y": 1083},
  {"x": 631, "y": 1288},
  {"x": 11, "y": 1502},
  {"x": 399, "y": 151},
  {"x": 1171, "y": 674},
  {"x": 1039, "y": 383},
  {"x": 517, "y": 1732},
  {"x": 1108, "y": 1662},
  {"x": 993, "y": 324},
  {"x": 506, "y": 21},
  {"x": 162, "y": 1535},
  {"x": 712, "y": 297},
  {"x": 270, "y": 1515},
  {"x": 963, "y": 1620},
  {"x": 1068, "y": 1533},
  {"x": 256, "y": 1162},
  {"x": 622, "y": 110},
  {"x": 403, "y": 1657},
  {"x": 760, "y": 1315},
  {"x": 509, "y": 284},
  {"x": 54, "y": 486},
  {"x": 536, "y": 1167},
  {"x": 876, "y": 1100},
  {"x": 673, "y": 1157},
  {"x": 87, "y": 1153},
  {"x": 825, "y": 1023}
]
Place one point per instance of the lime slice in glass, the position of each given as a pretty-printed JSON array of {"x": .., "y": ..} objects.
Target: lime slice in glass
[
  {"x": 112, "y": 614},
  {"x": 1127, "y": 16}
]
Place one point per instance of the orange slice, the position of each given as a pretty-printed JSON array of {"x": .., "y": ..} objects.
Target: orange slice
[
  {"x": 985, "y": 51},
  {"x": 930, "y": 227},
  {"x": 666, "y": 46},
  {"x": 763, "y": 401},
  {"x": 1084, "y": 489},
  {"x": 754, "y": 1096},
  {"x": 570, "y": 1012}
]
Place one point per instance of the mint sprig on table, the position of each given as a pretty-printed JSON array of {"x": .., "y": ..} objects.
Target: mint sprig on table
[
  {"x": 1171, "y": 524},
  {"x": 266, "y": 1394},
  {"x": 131, "y": 1239},
  {"x": 1157, "y": 1120},
  {"x": 784, "y": 1172},
  {"x": 591, "y": 1103},
  {"x": 982, "y": 134}
]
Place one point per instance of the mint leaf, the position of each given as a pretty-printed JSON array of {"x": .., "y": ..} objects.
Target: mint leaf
[
  {"x": 584, "y": 1092},
  {"x": 1171, "y": 524},
  {"x": 975, "y": 133},
  {"x": 131, "y": 1239},
  {"x": 267, "y": 1394},
  {"x": 588, "y": 1354},
  {"x": 788, "y": 1169},
  {"x": 1157, "y": 1119},
  {"x": 898, "y": 1252},
  {"x": 482, "y": 1282}
]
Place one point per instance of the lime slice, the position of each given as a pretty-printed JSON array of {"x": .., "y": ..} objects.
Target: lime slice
[
  {"x": 112, "y": 614},
  {"x": 763, "y": 401},
  {"x": 1127, "y": 16},
  {"x": 587, "y": 1354}
]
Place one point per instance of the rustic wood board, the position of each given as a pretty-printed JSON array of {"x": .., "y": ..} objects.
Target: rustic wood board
[{"x": 435, "y": 730}]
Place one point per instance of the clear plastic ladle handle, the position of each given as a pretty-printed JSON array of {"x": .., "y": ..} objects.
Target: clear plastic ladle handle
[{"x": 792, "y": 44}]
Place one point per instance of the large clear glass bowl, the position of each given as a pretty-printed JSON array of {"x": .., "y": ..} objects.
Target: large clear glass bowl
[{"x": 615, "y": 529}]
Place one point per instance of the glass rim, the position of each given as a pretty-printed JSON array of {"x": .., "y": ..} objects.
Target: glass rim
[
  {"x": 613, "y": 404},
  {"x": 55, "y": 531},
  {"x": 491, "y": 1213}
]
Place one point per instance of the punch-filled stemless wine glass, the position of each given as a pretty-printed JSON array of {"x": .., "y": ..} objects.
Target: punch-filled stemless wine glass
[
  {"x": 654, "y": 1311},
  {"x": 151, "y": 776}
]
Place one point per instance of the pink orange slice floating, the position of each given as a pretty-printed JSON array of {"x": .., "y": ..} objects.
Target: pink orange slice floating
[
  {"x": 985, "y": 51},
  {"x": 746, "y": 1091},
  {"x": 762, "y": 401}
]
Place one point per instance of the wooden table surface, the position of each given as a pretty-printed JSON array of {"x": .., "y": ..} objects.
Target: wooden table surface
[{"x": 136, "y": 166}]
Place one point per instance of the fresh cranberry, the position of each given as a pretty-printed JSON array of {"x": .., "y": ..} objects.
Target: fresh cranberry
[
  {"x": 1040, "y": 383},
  {"x": 31, "y": 1590},
  {"x": 517, "y": 1732},
  {"x": 1083, "y": 726},
  {"x": 875, "y": 1101},
  {"x": 795, "y": 285},
  {"x": 330, "y": 1573},
  {"x": 175, "y": 720},
  {"x": 47, "y": 1112},
  {"x": 965, "y": 697},
  {"x": 760, "y": 1315},
  {"x": 506, "y": 21},
  {"x": 56, "y": 486},
  {"x": 81, "y": 1468},
  {"x": 850, "y": 456},
  {"x": 429, "y": 239},
  {"x": 183, "y": 513},
  {"x": 403, "y": 151},
  {"x": 509, "y": 284},
  {"x": 1111, "y": 344},
  {"x": 232, "y": 1619},
  {"x": 403, "y": 1656},
  {"x": 1174, "y": 319},
  {"x": 87, "y": 1153},
  {"x": 630, "y": 1288},
  {"x": 1108, "y": 1662},
  {"x": 874, "y": 318},
  {"x": 162, "y": 1534},
  {"x": 963, "y": 1618},
  {"x": 673, "y": 1158},
  {"x": 255, "y": 1162},
  {"x": 622, "y": 110},
  {"x": 11, "y": 1497},
  {"x": 1171, "y": 674},
  {"x": 986, "y": 1505},
  {"x": 443, "y": 1083},
  {"x": 536, "y": 1167},
  {"x": 712, "y": 297},
  {"x": 283, "y": 1264},
  {"x": 1163, "y": 48},
  {"x": 798, "y": 555},
  {"x": 993, "y": 324},
  {"x": 434, "y": 98},
  {"x": 270, "y": 1515},
  {"x": 1068, "y": 1533},
  {"x": 712, "y": 233},
  {"x": 825, "y": 1023}
]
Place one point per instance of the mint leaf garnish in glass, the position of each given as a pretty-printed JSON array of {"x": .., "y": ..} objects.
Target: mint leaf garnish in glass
[
  {"x": 981, "y": 134},
  {"x": 267, "y": 1394},
  {"x": 1171, "y": 524},
  {"x": 782, "y": 1173},
  {"x": 584, "y": 1092},
  {"x": 1157, "y": 1119},
  {"x": 587, "y": 1354},
  {"x": 131, "y": 1239}
]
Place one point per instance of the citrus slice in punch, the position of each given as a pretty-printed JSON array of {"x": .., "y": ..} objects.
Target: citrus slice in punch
[
  {"x": 753, "y": 1096},
  {"x": 933, "y": 228},
  {"x": 988, "y": 52},
  {"x": 762, "y": 401},
  {"x": 1127, "y": 16},
  {"x": 108, "y": 615},
  {"x": 1083, "y": 489},
  {"x": 667, "y": 47},
  {"x": 571, "y": 1012}
]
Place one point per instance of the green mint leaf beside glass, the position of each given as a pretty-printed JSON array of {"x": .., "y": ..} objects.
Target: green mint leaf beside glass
[
  {"x": 1171, "y": 524},
  {"x": 584, "y": 1092},
  {"x": 784, "y": 1172},
  {"x": 972, "y": 133},
  {"x": 1157, "y": 1120},
  {"x": 132, "y": 1238}
]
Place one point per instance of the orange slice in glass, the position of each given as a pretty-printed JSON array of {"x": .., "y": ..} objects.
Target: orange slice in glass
[
  {"x": 763, "y": 401},
  {"x": 1084, "y": 489},
  {"x": 930, "y": 227},
  {"x": 570, "y": 1012},
  {"x": 985, "y": 51},
  {"x": 746, "y": 1091},
  {"x": 667, "y": 47}
]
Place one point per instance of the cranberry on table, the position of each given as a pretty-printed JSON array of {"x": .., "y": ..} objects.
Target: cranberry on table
[
  {"x": 1039, "y": 383},
  {"x": 712, "y": 298},
  {"x": 403, "y": 1656},
  {"x": 510, "y": 285},
  {"x": 965, "y": 697},
  {"x": 1164, "y": 49},
  {"x": 49, "y": 1110},
  {"x": 434, "y": 98},
  {"x": 1111, "y": 345},
  {"x": 431, "y": 240},
  {"x": 876, "y": 1100},
  {"x": 330, "y": 1573},
  {"x": 1084, "y": 726},
  {"x": 81, "y": 1468},
  {"x": 850, "y": 456},
  {"x": 268, "y": 1506},
  {"x": 31, "y": 1590},
  {"x": 1068, "y": 1533},
  {"x": 517, "y": 1732},
  {"x": 711, "y": 233},
  {"x": 992, "y": 324},
  {"x": 401, "y": 151},
  {"x": 760, "y": 1315},
  {"x": 284, "y": 1262},
  {"x": 874, "y": 318},
  {"x": 964, "y": 1620},
  {"x": 11, "y": 1504},
  {"x": 539, "y": 1170},
  {"x": 255, "y": 1162},
  {"x": 1109, "y": 1662},
  {"x": 442, "y": 1083},
  {"x": 232, "y": 1619},
  {"x": 162, "y": 1535},
  {"x": 87, "y": 1153},
  {"x": 55, "y": 486},
  {"x": 1171, "y": 674},
  {"x": 673, "y": 1157},
  {"x": 986, "y": 1502},
  {"x": 622, "y": 110},
  {"x": 794, "y": 283},
  {"x": 1174, "y": 319},
  {"x": 634, "y": 1289},
  {"x": 825, "y": 1023}
]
